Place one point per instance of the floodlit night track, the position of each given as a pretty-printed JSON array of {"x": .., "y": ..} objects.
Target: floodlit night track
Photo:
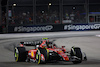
[{"x": 88, "y": 41}]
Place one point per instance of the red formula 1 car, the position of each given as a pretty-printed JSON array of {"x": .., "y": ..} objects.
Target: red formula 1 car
[{"x": 46, "y": 51}]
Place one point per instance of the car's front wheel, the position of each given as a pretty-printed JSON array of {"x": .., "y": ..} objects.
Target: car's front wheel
[
  {"x": 76, "y": 51},
  {"x": 41, "y": 55}
]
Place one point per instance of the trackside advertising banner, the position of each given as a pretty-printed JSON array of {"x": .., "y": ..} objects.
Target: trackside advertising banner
[
  {"x": 34, "y": 28},
  {"x": 49, "y": 28},
  {"x": 82, "y": 27}
]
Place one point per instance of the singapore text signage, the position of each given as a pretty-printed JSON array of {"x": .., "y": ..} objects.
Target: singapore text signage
[
  {"x": 82, "y": 27},
  {"x": 33, "y": 29},
  {"x": 58, "y": 27}
]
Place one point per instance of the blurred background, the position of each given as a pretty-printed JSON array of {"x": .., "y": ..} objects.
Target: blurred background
[{"x": 25, "y": 16}]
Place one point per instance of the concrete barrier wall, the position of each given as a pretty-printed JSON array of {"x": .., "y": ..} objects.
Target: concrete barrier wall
[{"x": 52, "y": 28}]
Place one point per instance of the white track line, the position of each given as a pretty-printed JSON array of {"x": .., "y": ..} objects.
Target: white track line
[{"x": 98, "y": 35}]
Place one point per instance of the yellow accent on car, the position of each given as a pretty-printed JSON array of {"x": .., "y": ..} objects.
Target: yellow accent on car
[
  {"x": 44, "y": 38},
  {"x": 16, "y": 54},
  {"x": 60, "y": 51},
  {"x": 17, "y": 58},
  {"x": 47, "y": 53},
  {"x": 47, "y": 50},
  {"x": 38, "y": 56},
  {"x": 39, "y": 59},
  {"x": 32, "y": 54}
]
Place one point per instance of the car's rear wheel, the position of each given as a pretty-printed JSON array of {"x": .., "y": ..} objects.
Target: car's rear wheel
[
  {"x": 20, "y": 54},
  {"x": 76, "y": 51}
]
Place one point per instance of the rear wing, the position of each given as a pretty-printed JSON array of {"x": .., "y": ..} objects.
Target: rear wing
[{"x": 34, "y": 43}]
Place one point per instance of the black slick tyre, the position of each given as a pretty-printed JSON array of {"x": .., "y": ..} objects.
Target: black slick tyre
[
  {"x": 76, "y": 51},
  {"x": 20, "y": 54},
  {"x": 38, "y": 55}
]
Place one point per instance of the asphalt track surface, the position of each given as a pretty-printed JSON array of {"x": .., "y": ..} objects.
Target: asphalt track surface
[{"x": 88, "y": 41}]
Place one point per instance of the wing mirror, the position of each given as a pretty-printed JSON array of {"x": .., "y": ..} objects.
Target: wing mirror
[{"x": 63, "y": 46}]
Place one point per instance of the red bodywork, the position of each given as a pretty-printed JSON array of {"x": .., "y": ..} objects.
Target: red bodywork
[{"x": 60, "y": 51}]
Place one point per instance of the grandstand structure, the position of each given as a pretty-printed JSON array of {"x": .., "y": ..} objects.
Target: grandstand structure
[{"x": 51, "y": 12}]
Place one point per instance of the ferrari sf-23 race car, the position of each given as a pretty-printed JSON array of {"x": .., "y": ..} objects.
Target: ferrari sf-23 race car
[{"x": 46, "y": 51}]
